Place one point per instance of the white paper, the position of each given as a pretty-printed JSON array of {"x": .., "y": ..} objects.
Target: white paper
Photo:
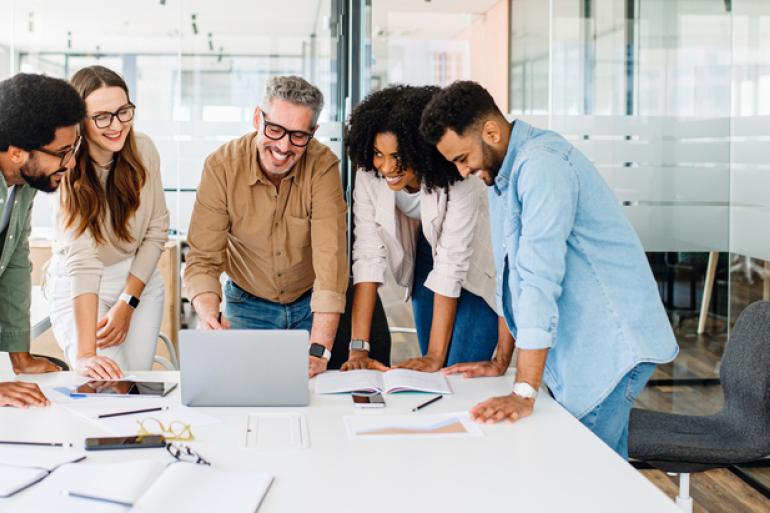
[
  {"x": 202, "y": 489},
  {"x": 47, "y": 458},
  {"x": 124, "y": 481},
  {"x": 445, "y": 425},
  {"x": 13, "y": 479}
]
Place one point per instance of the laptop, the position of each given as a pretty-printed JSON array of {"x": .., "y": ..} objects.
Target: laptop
[{"x": 243, "y": 367}]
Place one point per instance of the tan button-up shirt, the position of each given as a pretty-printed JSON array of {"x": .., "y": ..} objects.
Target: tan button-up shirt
[{"x": 274, "y": 244}]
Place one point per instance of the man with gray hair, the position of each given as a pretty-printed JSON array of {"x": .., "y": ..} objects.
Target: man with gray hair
[{"x": 270, "y": 213}]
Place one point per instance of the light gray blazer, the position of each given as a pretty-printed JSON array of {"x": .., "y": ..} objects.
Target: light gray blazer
[{"x": 455, "y": 223}]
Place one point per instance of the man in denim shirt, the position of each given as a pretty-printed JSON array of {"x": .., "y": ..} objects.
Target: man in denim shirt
[{"x": 573, "y": 282}]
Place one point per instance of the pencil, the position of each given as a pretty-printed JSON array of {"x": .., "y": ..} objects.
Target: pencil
[
  {"x": 426, "y": 403},
  {"x": 130, "y": 412}
]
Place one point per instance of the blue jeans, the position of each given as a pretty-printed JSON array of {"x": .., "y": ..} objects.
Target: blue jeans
[
  {"x": 609, "y": 420},
  {"x": 474, "y": 336},
  {"x": 247, "y": 312}
]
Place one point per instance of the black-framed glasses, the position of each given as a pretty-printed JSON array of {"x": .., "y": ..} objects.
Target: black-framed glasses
[
  {"x": 104, "y": 119},
  {"x": 64, "y": 155},
  {"x": 186, "y": 454},
  {"x": 276, "y": 132}
]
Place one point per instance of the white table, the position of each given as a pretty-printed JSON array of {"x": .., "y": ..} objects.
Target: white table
[{"x": 545, "y": 463}]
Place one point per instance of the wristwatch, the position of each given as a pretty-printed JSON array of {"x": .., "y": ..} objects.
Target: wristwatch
[
  {"x": 524, "y": 390},
  {"x": 319, "y": 351},
  {"x": 132, "y": 301},
  {"x": 359, "y": 345}
]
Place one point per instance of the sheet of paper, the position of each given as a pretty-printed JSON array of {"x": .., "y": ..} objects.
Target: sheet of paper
[
  {"x": 13, "y": 479},
  {"x": 357, "y": 380},
  {"x": 40, "y": 457},
  {"x": 129, "y": 424},
  {"x": 205, "y": 489},
  {"x": 445, "y": 425},
  {"x": 124, "y": 481},
  {"x": 399, "y": 380}
]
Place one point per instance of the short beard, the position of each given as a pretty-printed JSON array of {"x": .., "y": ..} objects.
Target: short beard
[
  {"x": 32, "y": 174},
  {"x": 491, "y": 162}
]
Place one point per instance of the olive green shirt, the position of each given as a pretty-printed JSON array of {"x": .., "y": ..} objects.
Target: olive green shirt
[{"x": 15, "y": 270}]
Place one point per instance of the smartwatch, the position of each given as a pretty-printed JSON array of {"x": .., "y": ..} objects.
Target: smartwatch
[
  {"x": 359, "y": 345},
  {"x": 132, "y": 301},
  {"x": 524, "y": 390},
  {"x": 319, "y": 351}
]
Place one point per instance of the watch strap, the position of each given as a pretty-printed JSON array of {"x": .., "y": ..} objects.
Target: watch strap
[
  {"x": 524, "y": 389},
  {"x": 132, "y": 301}
]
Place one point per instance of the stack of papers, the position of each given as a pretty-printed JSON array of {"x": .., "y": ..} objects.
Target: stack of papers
[{"x": 396, "y": 380}]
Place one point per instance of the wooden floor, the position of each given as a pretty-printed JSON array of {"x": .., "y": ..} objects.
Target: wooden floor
[{"x": 715, "y": 491}]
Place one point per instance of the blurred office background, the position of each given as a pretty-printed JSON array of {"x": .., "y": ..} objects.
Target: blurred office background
[{"x": 670, "y": 99}]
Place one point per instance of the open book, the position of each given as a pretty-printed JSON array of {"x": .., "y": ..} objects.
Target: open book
[
  {"x": 148, "y": 486},
  {"x": 22, "y": 466},
  {"x": 396, "y": 380}
]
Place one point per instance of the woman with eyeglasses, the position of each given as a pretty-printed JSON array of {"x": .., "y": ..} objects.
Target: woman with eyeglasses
[
  {"x": 105, "y": 292},
  {"x": 414, "y": 214}
]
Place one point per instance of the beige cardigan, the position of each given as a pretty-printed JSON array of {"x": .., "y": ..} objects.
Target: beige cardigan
[
  {"x": 455, "y": 223},
  {"x": 85, "y": 259}
]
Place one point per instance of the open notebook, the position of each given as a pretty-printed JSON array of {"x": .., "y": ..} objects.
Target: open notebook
[
  {"x": 151, "y": 486},
  {"x": 396, "y": 380},
  {"x": 22, "y": 466}
]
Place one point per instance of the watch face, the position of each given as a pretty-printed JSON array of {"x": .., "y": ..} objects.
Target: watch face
[
  {"x": 317, "y": 350},
  {"x": 358, "y": 345}
]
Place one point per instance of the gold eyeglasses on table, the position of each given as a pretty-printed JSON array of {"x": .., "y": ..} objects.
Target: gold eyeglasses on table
[{"x": 176, "y": 431}]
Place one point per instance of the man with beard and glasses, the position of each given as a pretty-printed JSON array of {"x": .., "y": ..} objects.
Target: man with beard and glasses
[
  {"x": 39, "y": 140},
  {"x": 270, "y": 213},
  {"x": 573, "y": 281}
]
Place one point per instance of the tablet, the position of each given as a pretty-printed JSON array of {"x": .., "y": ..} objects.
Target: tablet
[{"x": 124, "y": 388}]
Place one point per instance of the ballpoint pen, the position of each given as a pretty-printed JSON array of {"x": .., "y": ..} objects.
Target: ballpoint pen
[
  {"x": 76, "y": 495},
  {"x": 38, "y": 444},
  {"x": 130, "y": 412},
  {"x": 426, "y": 403}
]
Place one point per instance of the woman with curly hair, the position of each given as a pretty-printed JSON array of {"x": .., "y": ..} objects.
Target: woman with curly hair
[{"x": 415, "y": 214}]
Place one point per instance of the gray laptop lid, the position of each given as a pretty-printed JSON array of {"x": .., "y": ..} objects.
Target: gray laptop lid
[{"x": 243, "y": 367}]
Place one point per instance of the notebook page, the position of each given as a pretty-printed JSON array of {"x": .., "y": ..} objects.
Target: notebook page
[
  {"x": 13, "y": 479},
  {"x": 349, "y": 381},
  {"x": 400, "y": 380},
  {"x": 39, "y": 457},
  {"x": 124, "y": 481},
  {"x": 202, "y": 489}
]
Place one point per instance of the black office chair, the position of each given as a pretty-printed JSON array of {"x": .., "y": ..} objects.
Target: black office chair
[
  {"x": 738, "y": 433},
  {"x": 379, "y": 338}
]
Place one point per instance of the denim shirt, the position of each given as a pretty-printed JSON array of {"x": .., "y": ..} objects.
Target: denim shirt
[{"x": 571, "y": 273}]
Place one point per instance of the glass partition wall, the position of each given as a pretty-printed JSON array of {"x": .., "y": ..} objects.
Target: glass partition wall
[{"x": 670, "y": 99}]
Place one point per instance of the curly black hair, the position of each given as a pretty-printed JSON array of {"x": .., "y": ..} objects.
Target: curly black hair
[
  {"x": 32, "y": 107},
  {"x": 397, "y": 109},
  {"x": 458, "y": 107}
]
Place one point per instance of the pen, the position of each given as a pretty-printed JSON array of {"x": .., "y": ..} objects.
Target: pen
[
  {"x": 426, "y": 403},
  {"x": 131, "y": 412},
  {"x": 38, "y": 444},
  {"x": 76, "y": 495}
]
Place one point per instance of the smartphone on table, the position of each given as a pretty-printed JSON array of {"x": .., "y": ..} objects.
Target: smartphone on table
[
  {"x": 368, "y": 400},
  {"x": 125, "y": 442}
]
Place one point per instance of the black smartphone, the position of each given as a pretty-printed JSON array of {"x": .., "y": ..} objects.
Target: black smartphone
[
  {"x": 125, "y": 442},
  {"x": 368, "y": 400}
]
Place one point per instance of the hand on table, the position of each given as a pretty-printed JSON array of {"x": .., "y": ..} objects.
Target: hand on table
[
  {"x": 25, "y": 363},
  {"x": 424, "y": 364},
  {"x": 21, "y": 395},
  {"x": 98, "y": 367},
  {"x": 362, "y": 362},
  {"x": 316, "y": 365},
  {"x": 112, "y": 329},
  {"x": 509, "y": 408},
  {"x": 488, "y": 369}
]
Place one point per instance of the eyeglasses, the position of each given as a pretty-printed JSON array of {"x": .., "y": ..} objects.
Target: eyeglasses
[
  {"x": 104, "y": 119},
  {"x": 64, "y": 155},
  {"x": 277, "y": 132},
  {"x": 186, "y": 454},
  {"x": 176, "y": 430}
]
